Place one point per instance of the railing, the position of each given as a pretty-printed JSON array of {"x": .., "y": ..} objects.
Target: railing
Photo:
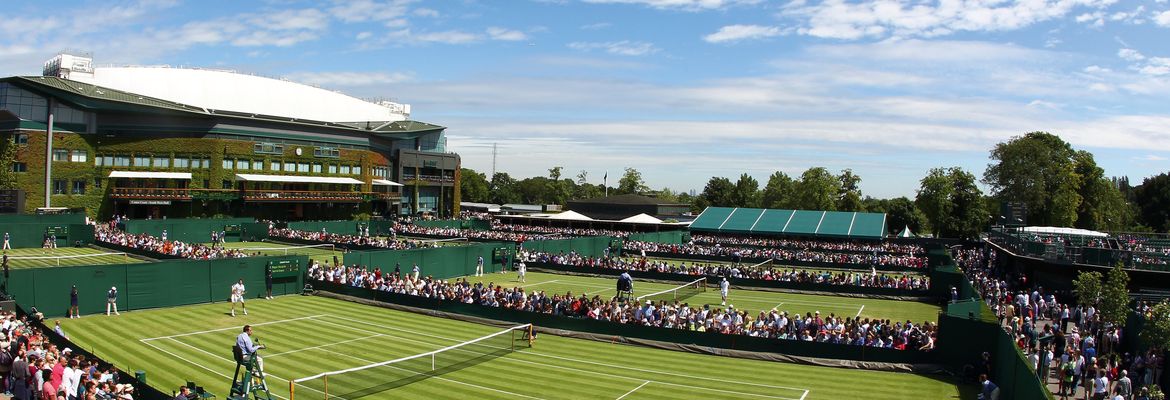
[
  {"x": 428, "y": 178},
  {"x": 151, "y": 193},
  {"x": 302, "y": 195},
  {"x": 1024, "y": 244}
]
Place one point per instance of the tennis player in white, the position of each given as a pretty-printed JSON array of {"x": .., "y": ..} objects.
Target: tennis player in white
[
  {"x": 238, "y": 297},
  {"x": 479, "y": 266},
  {"x": 520, "y": 269},
  {"x": 723, "y": 286}
]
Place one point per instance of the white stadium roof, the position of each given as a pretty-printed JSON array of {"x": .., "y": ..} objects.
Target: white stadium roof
[{"x": 230, "y": 91}]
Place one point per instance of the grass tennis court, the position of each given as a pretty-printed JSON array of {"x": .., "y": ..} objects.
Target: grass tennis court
[
  {"x": 65, "y": 257},
  {"x": 310, "y": 335},
  {"x": 319, "y": 252},
  {"x": 752, "y": 301}
]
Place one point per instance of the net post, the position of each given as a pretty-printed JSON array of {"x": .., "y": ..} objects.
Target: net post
[
  {"x": 326, "y": 386},
  {"x": 291, "y": 391},
  {"x": 432, "y": 362}
]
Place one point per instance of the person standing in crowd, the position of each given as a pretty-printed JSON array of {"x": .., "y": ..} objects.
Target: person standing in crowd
[
  {"x": 112, "y": 300},
  {"x": 73, "y": 303},
  {"x": 238, "y": 296},
  {"x": 479, "y": 266},
  {"x": 414, "y": 272},
  {"x": 164, "y": 235},
  {"x": 989, "y": 390}
]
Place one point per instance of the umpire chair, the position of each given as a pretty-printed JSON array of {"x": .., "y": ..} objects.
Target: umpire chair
[
  {"x": 625, "y": 289},
  {"x": 251, "y": 382}
]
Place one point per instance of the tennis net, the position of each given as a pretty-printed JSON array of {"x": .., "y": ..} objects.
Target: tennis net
[
  {"x": 308, "y": 249},
  {"x": 371, "y": 381},
  {"x": 77, "y": 259},
  {"x": 766, "y": 264},
  {"x": 679, "y": 292}
]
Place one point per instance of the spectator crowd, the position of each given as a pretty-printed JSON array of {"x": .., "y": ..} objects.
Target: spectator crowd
[
  {"x": 871, "y": 278},
  {"x": 799, "y": 244},
  {"x": 34, "y": 368},
  {"x": 779, "y": 254},
  {"x": 361, "y": 240},
  {"x": 809, "y": 327},
  {"x": 109, "y": 233}
]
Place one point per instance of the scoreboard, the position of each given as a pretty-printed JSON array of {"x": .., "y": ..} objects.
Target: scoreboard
[{"x": 284, "y": 269}]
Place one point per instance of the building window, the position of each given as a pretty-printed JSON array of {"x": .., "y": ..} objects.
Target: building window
[
  {"x": 302, "y": 167},
  {"x": 161, "y": 162},
  {"x": 316, "y": 168},
  {"x": 345, "y": 169},
  {"x": 182, "y": 162},
  {"x": 79, "y": 156},
  {"x": 274, "y": 166},
  {"x": 97, "y": 183},
  {"x": 243, "y": 164},
  {"x": 59, "y": 186},
  {"x": 97, "y": 161},
  {"x": 290, "y": 167},
  {"x": 121, "y": 161},
  {"x": 258, "y": 165},
  {"x": 60, "y": 155},
  {"x": 329, "y": 152},
  {"x": 141, "y": 161},
  {"x": 19, "y": 167},
  {"x": 227, "y": 184},
  {"x": 268, "y": 148},
  {"x": 357, "y": 170},
  {"x": 21, "y": 138},
  {"x": 227, "y": 164},
  {"x": 79, "y": 187},
  {"x": 332, "y": 169}
]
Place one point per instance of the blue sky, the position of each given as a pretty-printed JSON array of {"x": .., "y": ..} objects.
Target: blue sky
[{"x": 682, "y": 90}]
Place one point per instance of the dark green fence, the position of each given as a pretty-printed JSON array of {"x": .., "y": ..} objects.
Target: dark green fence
[
  {"x": 477, "y": 224},
  {"x": 441, "y": 262},
  {"x": 188, "y": 230},
  {"x": 668, "y": 237},
  {"x": 160, "y": 284},
  {"x": 591, "y": 246},
  {"x": 32, "y": 234}
]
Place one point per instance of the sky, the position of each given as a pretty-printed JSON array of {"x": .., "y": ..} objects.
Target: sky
[{"x": 681, "y": 90}]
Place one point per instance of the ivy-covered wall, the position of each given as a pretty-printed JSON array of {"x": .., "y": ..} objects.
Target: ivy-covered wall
[{"x": 97, "y": 186}]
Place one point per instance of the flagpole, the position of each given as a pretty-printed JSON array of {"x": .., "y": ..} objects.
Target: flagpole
[{"x": 605, "y": 182}]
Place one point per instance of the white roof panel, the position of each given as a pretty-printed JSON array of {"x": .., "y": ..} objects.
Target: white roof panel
[
  {"x": 150, "y": 175},
  {"x": 383, "y": 182},
  {"x": 296, "y": 179}
]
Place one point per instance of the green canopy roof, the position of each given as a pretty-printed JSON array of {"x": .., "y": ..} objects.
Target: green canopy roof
[{"x": 837, "y": 224}]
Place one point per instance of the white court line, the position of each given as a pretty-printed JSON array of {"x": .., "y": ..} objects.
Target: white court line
[
  {"x": 525, "y": 285},
  {"x": 859, "y": 310},
  {"x": 777, "y": 307},
  {"x": 574, "y": 360},
  {"x": 635, "y": 390},
  {"x": 230, "y": 328},
  {"x": 578, "y": 371},
  {"x": 324, "y": 345}
]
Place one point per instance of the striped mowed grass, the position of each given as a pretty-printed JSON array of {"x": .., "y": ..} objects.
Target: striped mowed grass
[
  {"x": 65, "y": 257},
  {"x": 318, "y": 252},
  {"x": 309, "y": 335},
  {"x": 752, "y": 301}
]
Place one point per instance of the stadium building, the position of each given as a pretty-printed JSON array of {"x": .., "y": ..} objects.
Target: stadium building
[{"x": 181, "y": 142}]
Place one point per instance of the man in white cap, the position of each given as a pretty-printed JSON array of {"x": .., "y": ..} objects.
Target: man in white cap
[{"x": 112, "y": 300}]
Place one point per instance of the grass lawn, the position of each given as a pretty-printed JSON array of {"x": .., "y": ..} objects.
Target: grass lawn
[
  {"x": 309, "y": 335},
  {"x": 752, "y": 301},
  {"x": 65, "y": 257},
  {"x": 319, "y": 252}
]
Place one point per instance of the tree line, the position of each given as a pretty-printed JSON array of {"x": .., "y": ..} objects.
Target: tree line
[{"x": 1056, "y": 184}]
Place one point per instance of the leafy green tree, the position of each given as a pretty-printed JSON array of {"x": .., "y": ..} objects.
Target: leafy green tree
[
  {"x": 584, "y": 190},
  {"x": 952, "y": 203},
  {"x": 849, "y": 198},
  {"x": 778, "y": 193},
  {"x": 632, "y": 182},
  {"x": 818, "y": 190},
  {"x": 667, "y": 196},
  {"x": 717, "y": 193},
  {"x": 473, "y": 186},
  {"x": 900, "y": 213},
  {"x": 1153, "y": 199},
  {"x": 503, "y": 189},
  {"x": 746, "y": 192},
  {"x": 1115, "y": 296},
  {"x": 1156, "y": 331},
  {"x": 1088, "y": 288}
]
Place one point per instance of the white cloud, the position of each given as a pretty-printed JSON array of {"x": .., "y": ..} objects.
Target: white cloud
[
  {"x": 425, "y": 12},
  {"x": 1130, "y": 55},
  {"x": 364, "y": 35},
  {"x": 445, "y": 37},
  {"x": 839, "y": 19},
  {"x": 349, "y": 78},
  {"x": 1162, "y": 19},
  {"x": 1150, "y": 157},
  {"x": 623, "y": 48},
  {"x": 685, "y": 5},
  {"x": 290, "y": 20},
  {"x": 735, "y": 33},
  {"x": 1095, "y": 69},
  {"x": 497, "y": 33},
  {"x": 368, "y": 10},
  {"x": 596, "y": 26},
  {"x": 1156, "y": 66}
]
